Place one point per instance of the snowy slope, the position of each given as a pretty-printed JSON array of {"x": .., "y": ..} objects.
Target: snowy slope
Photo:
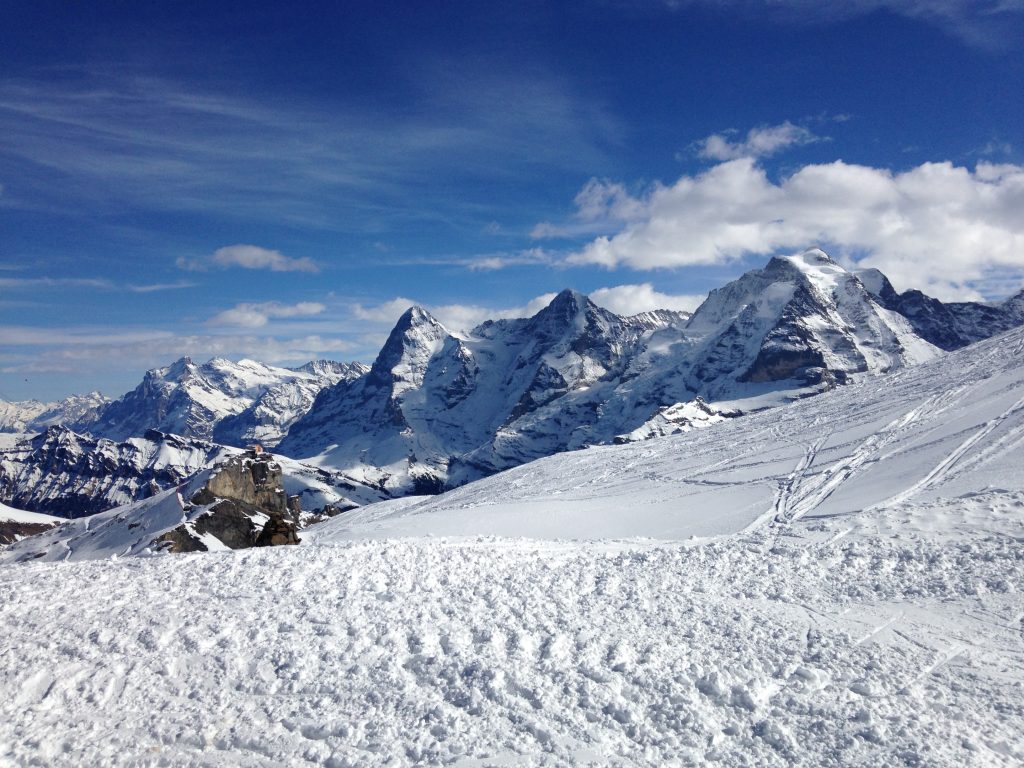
[
  {"x": 939, "y": 430},
  {"x": 239, "y": 401},
  {"x": 860, "y": 604},
  {"x": 34, "y": 416},
  {"x": 807, "y": 648},
  {"x": 12, "y": 515},
  {"x": 16, "y": 524}
]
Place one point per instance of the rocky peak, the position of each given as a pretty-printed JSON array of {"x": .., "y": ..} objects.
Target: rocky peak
[
  {"x": 564, "y": 309},
  {"x": 176, "y": 371},
  {"x": 411, "y": 343}
]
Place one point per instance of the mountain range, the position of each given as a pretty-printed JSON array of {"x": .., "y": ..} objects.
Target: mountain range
[{"x": 440, "y": 407}]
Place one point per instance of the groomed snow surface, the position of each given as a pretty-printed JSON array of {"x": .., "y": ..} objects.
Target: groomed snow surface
[{"x": 853, "y": 597}]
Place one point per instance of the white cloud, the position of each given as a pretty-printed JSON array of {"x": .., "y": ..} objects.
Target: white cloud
[
  {"x": 763, "y": 141},
  {"x": 936, "y": 226},
  {"x": 632, "y": 299},
  {"x": 249, "y": 257},
  {"x": 257, "y": 315},
  {"x": 388, "y": 312}
]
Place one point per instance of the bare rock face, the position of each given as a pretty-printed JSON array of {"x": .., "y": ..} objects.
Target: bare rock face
[
  {"x": 254, "y": 480},
  {"x": 11, "y": 530},
  {"x": 246, "y": 506}
]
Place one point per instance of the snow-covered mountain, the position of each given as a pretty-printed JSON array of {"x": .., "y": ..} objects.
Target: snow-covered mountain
[
  {"x": 70, "y": 475},
  {"x": 438, "y": 408},
  {"x": 926, "y": 440},
  {"x": 33, "y": 416},
  {"x": 432, "y": 396},
  {"x": 946, "y": 325},
  {"x": 234, "y": 403}
]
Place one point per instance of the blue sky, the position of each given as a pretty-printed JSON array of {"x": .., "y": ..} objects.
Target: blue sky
[{"x": 280, "y": 181}]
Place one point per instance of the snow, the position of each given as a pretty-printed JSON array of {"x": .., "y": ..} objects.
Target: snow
[
  {"x": 10, "y": 514},
  {"x": 836, "y": 582},
  {"x": 759, "y": 650}
]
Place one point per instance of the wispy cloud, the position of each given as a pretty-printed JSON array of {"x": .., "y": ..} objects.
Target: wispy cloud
[
  {"x": 257, "y": 315},
  {"x": 49, "y": 282},
  {"x": 155, "y": 287},
  {"x": 249, "y": 257},
  {"x": 108, "y": 141},
  {"x": 763, "y": 141},
  {"x": 90, "y": 282},
  {"x": 990, "y": 24}
]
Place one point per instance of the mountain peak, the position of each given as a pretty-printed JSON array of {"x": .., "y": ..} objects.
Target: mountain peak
[
  {"x": 565, "y": 307},
  {"x": 415, "y": 316}
]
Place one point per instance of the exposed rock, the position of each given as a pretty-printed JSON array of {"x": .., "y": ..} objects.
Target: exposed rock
[
  {"x": 246, "y": 506},
  {"x": 277, "y": 531},
  {"x": 12, "y": 530}
]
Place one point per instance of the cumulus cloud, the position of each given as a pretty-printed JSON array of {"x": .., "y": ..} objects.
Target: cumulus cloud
[
  {"x": 939, "y": 223},
  {"x": 249, "y": 257},
  {"x": 257, "y": 315},
  {"x": 633, "y": 299},
  {"x": 759, "y": 142}
]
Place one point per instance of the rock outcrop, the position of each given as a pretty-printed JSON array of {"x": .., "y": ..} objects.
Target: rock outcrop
[{"x": 245, "y": 506}]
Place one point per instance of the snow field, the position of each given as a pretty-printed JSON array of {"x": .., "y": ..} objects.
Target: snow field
[{"x": 809, "y": 644}]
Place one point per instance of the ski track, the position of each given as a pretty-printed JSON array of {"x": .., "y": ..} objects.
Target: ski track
[{"x": 944, "y": 467}]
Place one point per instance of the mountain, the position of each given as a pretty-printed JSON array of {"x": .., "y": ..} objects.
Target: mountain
[
  {"x": 70, "y": 475},
  {"x": 31, "y": 416},
  {"x": 946, "y": 325},
  {"x": 439, "y": 409},
  {"x": 432, "y": 396},
  {"x": 236, "y": 403},
  {"x": 922, "y": 445}
]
